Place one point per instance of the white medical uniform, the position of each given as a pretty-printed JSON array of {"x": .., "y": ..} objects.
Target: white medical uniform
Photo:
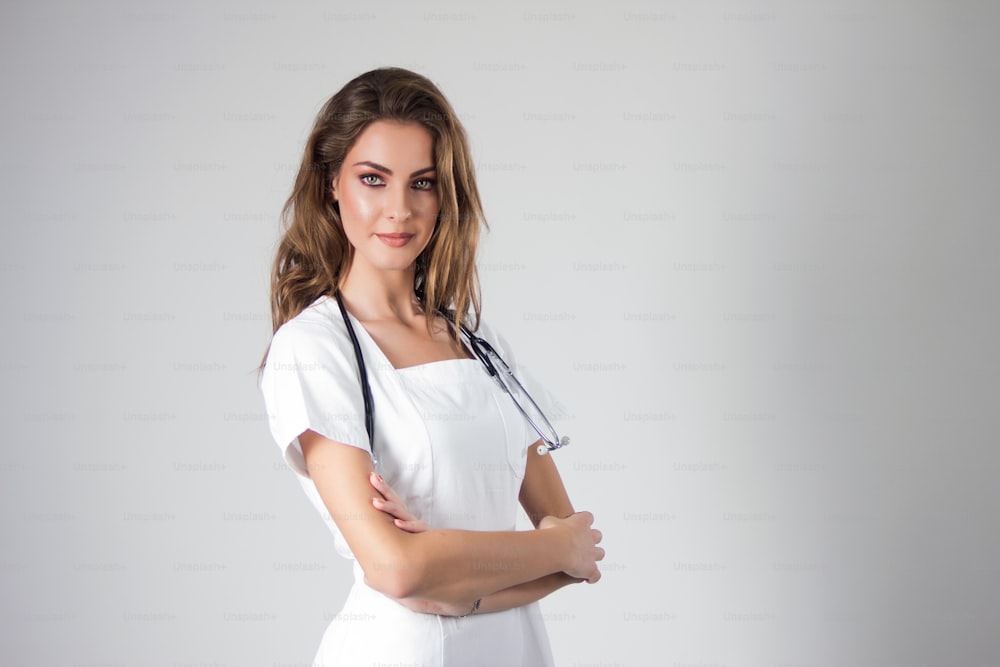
[{"x": 453, "y": 446}]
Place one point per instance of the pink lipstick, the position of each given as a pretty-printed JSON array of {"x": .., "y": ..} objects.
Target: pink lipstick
[{"x": 395, "y": 240}]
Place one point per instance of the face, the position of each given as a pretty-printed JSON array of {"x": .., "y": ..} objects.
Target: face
[{"x": 388, "y": 196}]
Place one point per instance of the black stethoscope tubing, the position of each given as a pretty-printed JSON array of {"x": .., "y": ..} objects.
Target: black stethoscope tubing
[
  {"x": 366, "y": 389},
  {"x": 477, "y": 344}
]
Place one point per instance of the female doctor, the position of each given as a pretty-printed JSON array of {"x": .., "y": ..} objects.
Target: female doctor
[{"x": 382, "y": 229}]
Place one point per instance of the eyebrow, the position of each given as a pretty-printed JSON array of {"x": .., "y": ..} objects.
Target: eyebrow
[{"x": 386, "y": 170}]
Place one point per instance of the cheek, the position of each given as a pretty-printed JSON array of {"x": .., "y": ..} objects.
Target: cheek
[
  {"x": 431, "y": 207},
  {"x": 358, "y": 205}
]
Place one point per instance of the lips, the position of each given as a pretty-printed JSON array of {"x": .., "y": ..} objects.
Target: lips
[{"x": 395, "y": 240}]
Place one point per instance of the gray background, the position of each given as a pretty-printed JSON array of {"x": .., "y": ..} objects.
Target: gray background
[{"x": 751, "y": 247}]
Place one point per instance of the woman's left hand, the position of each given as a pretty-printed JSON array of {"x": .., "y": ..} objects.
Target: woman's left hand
[{"x": 394, "y": 506}]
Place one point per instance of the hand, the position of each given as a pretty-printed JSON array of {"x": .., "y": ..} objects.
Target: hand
[
  {"x": 584, "y": 552},
  {"x": 393, "y": 505}
]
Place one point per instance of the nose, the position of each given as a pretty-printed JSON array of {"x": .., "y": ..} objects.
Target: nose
[{"x": 397, "y": 205}]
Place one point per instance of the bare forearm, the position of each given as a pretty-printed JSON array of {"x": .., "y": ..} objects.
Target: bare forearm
[
  {"x": 542, "y": 494},
  {"x": 440, "y": 566},
  {"x": 508, "y": 598},
  {"x": 542, "y": 491},
  {"x": 526, "y": 593},
  {"x": 437, "y": 565},
  {"x": 454, "y": 566}
]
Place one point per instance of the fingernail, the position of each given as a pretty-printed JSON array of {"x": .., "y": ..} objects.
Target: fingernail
[{"x": 379, "y": 478}]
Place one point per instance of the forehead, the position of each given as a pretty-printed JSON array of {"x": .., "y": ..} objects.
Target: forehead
[{"x": 394, "y": 144}]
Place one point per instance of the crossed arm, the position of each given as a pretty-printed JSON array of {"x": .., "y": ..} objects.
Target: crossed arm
[{"x": 445, "y": 571}]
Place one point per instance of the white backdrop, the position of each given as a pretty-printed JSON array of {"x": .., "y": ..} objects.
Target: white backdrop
[{"x": 751, "y": 247}]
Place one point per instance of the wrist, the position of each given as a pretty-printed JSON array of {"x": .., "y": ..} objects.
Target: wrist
[
  {"x": 561, "y": 542},
  {"x": 475, "y": 608}
]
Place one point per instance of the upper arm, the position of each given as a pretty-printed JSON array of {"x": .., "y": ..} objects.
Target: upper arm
[
  {"x": 542, "y": 490},
  {"x": 310, "y": 382},
  {"x": 341, "y": 475}
]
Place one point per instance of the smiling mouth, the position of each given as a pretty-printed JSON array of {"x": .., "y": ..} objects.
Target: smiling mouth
[{"x": 394, "y": 240}]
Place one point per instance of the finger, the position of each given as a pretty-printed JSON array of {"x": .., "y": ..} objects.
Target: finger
[
  {"x": 600, "y": 553},
  {"x": 598, "y": 536},
  {"x": 382, "y": 486},
  {"x": 386, "y": 506},
  {"x": 411, "y": 526},
  {"x": 386, "y": 490},
  {"x": 587, "y": 517},
  {"x": 594, "y": 578},
  {"x": 393, "y": 508}
]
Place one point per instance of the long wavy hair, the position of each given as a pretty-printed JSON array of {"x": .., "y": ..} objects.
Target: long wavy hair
[{"x": 314, "y": 253}]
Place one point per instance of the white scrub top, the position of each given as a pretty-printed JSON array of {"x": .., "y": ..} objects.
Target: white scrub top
[{"x": 450, "y": 442}]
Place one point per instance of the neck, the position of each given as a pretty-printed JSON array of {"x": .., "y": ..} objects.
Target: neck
[{"x": 379, "y": 295}]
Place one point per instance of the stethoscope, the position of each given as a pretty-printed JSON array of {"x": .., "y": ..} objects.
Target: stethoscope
[{"x": 494, "y": 365}]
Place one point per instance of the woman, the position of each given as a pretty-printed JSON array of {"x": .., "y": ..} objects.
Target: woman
[{"x": 383, "y": 225}]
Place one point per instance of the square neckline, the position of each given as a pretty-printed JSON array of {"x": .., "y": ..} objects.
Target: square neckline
[{"x": 358, "y": 325}]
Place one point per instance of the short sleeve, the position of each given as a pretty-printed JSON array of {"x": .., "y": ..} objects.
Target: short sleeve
[{"x": 310, "y": 381}]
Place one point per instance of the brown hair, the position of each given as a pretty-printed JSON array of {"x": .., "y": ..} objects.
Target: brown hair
[{"x": 314, "y": 252}]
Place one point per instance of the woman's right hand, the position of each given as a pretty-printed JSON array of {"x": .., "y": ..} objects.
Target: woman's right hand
[{"x": 584, "y": 552}]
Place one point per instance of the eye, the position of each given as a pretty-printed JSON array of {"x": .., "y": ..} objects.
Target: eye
[
  {"x": 424, "y": 184},
  {"x": 371, "y": 179}
]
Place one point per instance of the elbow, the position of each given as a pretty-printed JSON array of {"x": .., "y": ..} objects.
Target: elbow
[
  {"x": 396, "y": 576},
  {"x": 392, "y": 583}
]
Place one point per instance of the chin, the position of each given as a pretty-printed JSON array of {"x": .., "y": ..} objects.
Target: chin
[
  {"x": 388, "y": 259},
  {"x": 392, "y": 263}
]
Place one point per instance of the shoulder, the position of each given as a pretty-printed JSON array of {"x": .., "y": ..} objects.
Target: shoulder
[{"x": 319, "y": 328}]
